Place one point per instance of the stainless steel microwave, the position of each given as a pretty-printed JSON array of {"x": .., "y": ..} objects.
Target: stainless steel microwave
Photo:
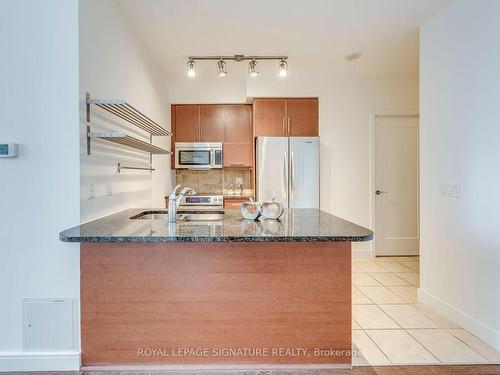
[{"x": 198, "y": 155}]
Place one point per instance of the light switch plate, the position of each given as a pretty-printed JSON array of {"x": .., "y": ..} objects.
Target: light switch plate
[
  {"x": 239, "y": 180},
  {"x": 450, "y": 191},
  {"x": 109, "y": 188}
]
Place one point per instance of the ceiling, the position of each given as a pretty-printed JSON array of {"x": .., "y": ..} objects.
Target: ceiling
[{"x": 313, "y": 33}]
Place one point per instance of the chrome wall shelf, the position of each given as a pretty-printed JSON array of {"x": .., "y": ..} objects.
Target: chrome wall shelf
[
  {"x": 125, "y": 111},
  {"x": 124, "y": 139},
  {"x": 128, "y": 113}
]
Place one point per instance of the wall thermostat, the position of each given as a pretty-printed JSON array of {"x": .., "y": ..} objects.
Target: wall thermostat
[{"x": 8, "y": 150}]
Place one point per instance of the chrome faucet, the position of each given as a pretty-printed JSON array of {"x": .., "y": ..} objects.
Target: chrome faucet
[{"x": 174, "y": 202}]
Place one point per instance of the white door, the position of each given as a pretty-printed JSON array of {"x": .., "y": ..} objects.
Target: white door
[{"x": 396, "y": 185}]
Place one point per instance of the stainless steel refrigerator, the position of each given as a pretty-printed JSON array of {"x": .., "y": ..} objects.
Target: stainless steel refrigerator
[{"x": 288, "y": 169}]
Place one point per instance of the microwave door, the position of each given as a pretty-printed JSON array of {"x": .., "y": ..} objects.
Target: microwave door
[{"x": 195, "y": 158}]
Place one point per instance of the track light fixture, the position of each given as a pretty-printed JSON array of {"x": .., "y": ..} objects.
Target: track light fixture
[
  {"x": 191, "y": 68},
  {"x": 252, "y": 68},
  {"x": 283, "y": 68},
  {"x": 252, "y": 65},
  {"x": 221, "y": 68}
]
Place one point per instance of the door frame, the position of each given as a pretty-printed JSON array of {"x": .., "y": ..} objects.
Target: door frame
[{"x": 373, "y": 124}]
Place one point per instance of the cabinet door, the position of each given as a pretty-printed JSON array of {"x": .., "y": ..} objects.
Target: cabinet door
[
  {"x": 187, "y": 123},
  {"x": 234, "y": 203},
  {"x": 211, "y": 127},
  {"x": 238, "y": 155},
  {"x": 237, "y": 121},
  {"x": 269, "y": 117},
  {"x": 302, "y": 117}
]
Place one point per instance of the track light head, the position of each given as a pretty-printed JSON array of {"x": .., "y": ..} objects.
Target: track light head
[
  {"x": 252, "y": 68},
  {"x": 221, "y": 68},
  {"x": 191, "y": 68},
  {"x": 283, "y": 68}
]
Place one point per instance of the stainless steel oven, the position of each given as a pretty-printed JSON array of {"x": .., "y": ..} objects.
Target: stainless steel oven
[{"x": 198, "y": 155}]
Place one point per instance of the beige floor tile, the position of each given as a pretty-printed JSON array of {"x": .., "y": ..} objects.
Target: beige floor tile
[
  {"x": 381, "y": 295},
  {"x": 358, "y": 298},
  {"x": 369, "y": 353},
  {"x": 355, "y": 325},
  {"x": 400, "y": 347},
  {"x": 363, "y": 279},
  {"x": 406, "y": 292},
  {"x": 369, "y": 267},
  {"x": 408, "y": 317},
  {"x": 477, "y": 344},
  {"x": 372, "y": 317},
  {"x": 440, "y": 320},
  {"x": 414, "y": 266},
  {"x": 393, "y": 266},
  {"x": 412, "y": 277},
  {"x": 446, "y": 347},
  {"x": 388, "y": 278}
]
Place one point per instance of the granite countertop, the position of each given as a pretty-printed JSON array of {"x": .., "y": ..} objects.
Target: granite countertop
[{"x": 296, "y": 225}]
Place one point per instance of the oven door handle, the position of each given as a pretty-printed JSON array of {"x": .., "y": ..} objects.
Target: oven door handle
[{"x": 212, "y": 158}]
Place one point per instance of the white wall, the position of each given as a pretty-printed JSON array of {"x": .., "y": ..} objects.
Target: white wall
[
  {"x": 39, "y": 190},
  {"x": 460, "y": 144},
  {"x": 113, "y": 64},
  {"x": 346, "y": 104}
]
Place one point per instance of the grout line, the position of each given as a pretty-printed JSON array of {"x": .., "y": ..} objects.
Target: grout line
[
  {"x": 459, "y": 339},
  {"x": 385, "y": 355},
  {"x": 423, "y": 346}
]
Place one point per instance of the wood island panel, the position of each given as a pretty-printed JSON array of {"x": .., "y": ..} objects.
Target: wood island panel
[{"x": 169, "y": 296}]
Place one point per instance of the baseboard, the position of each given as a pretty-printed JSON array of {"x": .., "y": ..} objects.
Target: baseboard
[
  {"x": 39, "y": 361},
  {"x": 362, "y": 249},
  {"x": 485, "y": 333}
]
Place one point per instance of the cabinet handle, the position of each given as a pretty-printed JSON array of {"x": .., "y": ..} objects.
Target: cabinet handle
[
  {"x": 284, "y": 132},
  {"x": 288, "y": 126},
  {"x": 237, "y": 163}
]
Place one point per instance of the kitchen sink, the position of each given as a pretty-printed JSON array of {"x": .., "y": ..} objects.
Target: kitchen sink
[
  {"x": 200, "y": 217},
  {"x": 181, "y": 215}
]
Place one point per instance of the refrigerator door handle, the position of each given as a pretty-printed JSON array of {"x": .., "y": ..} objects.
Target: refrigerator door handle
[
  {"x": 292, "y": 174},
  {"x": 284, "y": 181}
]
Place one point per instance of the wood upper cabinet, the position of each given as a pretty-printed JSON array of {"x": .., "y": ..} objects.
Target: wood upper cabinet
[
  {"x": 197, "y": 123},
  {"x": 269, "y": 117},
  {"x": 238, "y": 142},
  {"x": 186, "y": 123},
  {"x": 237, "y": 120},
  {"x": 211, "y": 126},
  {"x": 286, "y": 117},
  {"x": 302, "y": 117}
]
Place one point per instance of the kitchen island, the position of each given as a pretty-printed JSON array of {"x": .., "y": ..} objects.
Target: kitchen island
[{"x": 227, "y": 291}]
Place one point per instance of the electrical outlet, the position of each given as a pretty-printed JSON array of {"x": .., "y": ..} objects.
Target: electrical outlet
[
  {"x": 91, "y": 190},
  {"x": 239, "y": 180},
  {"x": 109, "y": 188}
]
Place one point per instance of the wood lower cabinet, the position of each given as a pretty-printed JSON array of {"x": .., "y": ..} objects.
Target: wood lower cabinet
[
  {"x": 234, "y": 203},
  {"x": 282, "y": 117}
]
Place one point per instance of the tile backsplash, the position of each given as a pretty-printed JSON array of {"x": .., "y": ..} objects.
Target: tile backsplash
[{"x": 214, "y": 181}]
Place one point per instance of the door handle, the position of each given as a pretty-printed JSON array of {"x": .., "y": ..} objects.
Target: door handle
[
  {"x": 285, "y": 177},
  {"x": 378, "y": 192},
  {"x": 292, "y": 175}
]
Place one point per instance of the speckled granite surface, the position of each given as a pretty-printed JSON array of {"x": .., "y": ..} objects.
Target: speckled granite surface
[{"x": 296, "y": 225}]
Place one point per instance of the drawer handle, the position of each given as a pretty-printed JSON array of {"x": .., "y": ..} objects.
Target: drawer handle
[{"x": 238, "y": 163}]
